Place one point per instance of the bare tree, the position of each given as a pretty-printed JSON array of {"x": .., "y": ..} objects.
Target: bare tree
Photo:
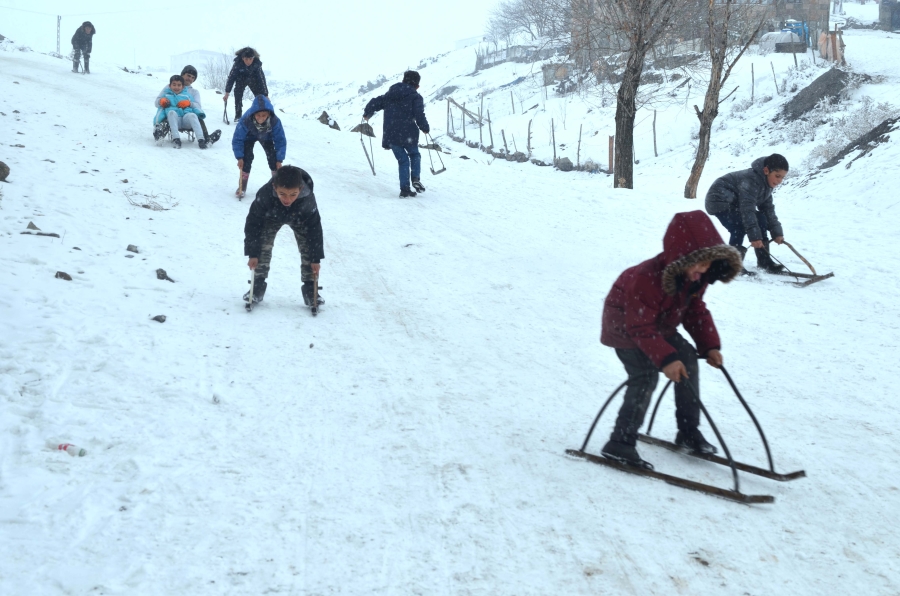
[
  {"x": 728, "y": 28},
  {"x": 640, "y": 24},
  {"x": 214, "y": 73}
]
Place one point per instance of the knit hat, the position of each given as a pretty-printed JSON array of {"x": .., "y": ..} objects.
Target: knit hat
[{"x": 189, "y": 70}]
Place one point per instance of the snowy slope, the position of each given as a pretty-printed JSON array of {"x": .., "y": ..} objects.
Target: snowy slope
[{"x": 410, "y": 439}]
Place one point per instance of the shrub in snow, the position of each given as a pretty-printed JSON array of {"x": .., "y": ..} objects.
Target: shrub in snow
[{"x": 847, "y": 127}]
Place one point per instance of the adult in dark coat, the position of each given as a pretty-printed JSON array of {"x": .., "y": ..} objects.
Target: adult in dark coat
[
  {"x": 83, "y": 43},
  {"x": 246, "y": 72},
  {"x": 641, "y": 315},
  {"x": 287, "y": 199},
  {"x": 742, "y": 201},
  {"x": 404, "y": 116}
]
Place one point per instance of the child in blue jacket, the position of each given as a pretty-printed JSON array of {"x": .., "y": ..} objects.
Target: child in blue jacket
[
  {"x": 177, "y": 107},
  {"x": 259, "y": 124}
]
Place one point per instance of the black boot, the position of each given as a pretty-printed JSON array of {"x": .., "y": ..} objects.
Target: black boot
[
  {"x": 692, "y": 439},
  {"x": 417, "y": 184},
  {"x": 743, "y": 251},
  {"x": 215, "y": 136},
  {"x": 308, "y": 294},
  {"x": 406, "y": 192},
  {"x": 176, "y": 143},
  {"x": 87, "y": 65},
  {"x": 764, "y": 259},
  {"x": 624, "y": 453},
  {"x": 74, "y": 65},
  {"x": 259, "y": 290}
]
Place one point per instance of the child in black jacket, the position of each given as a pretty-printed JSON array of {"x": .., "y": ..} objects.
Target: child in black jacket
[
  {"x": 246, "y": 72},
  {"x": 82, "y": 43},
  {"x": 286, "y": 199}
]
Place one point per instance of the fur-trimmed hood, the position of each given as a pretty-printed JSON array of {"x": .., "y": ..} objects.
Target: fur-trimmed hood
[
  {"x": 241, "y": 51},
  {"x": 691, "y": 238}
]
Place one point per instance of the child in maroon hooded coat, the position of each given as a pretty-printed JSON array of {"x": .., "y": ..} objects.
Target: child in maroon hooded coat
[{"x": 640, "y": 317}]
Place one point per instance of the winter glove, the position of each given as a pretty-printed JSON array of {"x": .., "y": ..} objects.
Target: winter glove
[
  {"x": 184, "y": 103},
  {"x": 163, "y": 102}
]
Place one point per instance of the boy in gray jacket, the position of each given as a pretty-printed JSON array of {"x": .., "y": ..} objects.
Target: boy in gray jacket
[{"x": 742, "y": 201}]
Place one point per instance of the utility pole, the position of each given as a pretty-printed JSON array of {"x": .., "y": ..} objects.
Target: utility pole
[{"x": 58, "y": 19}]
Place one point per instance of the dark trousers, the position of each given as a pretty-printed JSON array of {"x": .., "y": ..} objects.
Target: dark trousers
[
  {"x": 268, "y": 147},
  {"x": 732, "y": 221},
  {"x": 270, "y": 230},
  {"x": 408, "y": 158},
  {"x": 642, "y": 379},
  {"x": 239, "y": 97}
]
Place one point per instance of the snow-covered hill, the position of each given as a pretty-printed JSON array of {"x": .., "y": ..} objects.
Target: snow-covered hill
[{"x": 410, "y": 439}]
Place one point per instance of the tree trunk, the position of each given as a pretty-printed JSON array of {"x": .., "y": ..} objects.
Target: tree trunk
[
  {"x": 707, "y": 117},
  {"x": 625, "y": 116}
]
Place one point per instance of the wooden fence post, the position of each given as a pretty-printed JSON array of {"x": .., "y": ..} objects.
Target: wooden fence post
[
  {"x": 512, "y": 102},
  {"x": 490, "y": 132},
  {"x": 612, "y": 144},
  {"x": 553, "y": 136},
  {"x": 448, "y": 115},
  {"x": 752, "y": 86},
  {"x": 774, "y": 78},
  {"x": 513, "y": 137},
  {"x": 502, "y": 132},
  {"x": 464, "y": 120},
  {"x": 529, "y": 138},
  {"x": 655, "y": 154},
  {"x": 481, "y": 121},
  {"x": 578, "y": 155}
]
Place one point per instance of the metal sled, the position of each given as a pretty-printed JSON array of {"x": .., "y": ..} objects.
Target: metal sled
[
  {"x": 434, "y": 146},
  {"x": 732, "y": 495}
]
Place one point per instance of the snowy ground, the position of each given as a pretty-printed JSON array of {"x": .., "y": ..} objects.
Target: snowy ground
[{"x": 410, "y": 439}]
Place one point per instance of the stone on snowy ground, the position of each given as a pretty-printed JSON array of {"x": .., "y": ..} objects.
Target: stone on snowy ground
[
  {"x": 161, "y": 274},
  {"x": 4, "y": 171},
  {"x": 63, "y": 275},
  {"x": 159, "y": 318},
  {"x": 565, "y": 164},
  {"x": 132, "y": 248},
  {"x": 31, "y": 226},
  {"x": 327, "y": 121}
]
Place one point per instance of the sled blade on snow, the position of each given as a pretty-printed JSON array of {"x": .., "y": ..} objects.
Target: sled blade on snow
[
  {"x": 807, "y": 278},
  {"x": 674, "y": 480},
  {"x": 722, "y": 461}
]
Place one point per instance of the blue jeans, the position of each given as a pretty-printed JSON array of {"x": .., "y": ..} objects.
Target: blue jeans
[
  {"x": 407, "y": 156},
  {"x": 735, "y": 225}
]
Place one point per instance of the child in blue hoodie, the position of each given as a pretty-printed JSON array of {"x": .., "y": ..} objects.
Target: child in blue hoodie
[
  {"x": 176, "y": 106},
  {"x": 259, "y": 124}
]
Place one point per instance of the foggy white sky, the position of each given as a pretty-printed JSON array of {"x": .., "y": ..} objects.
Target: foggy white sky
[{"x": 336, "y": 40}]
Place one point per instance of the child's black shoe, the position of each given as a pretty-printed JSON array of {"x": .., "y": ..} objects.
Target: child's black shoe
[
  {"x": 308, "y": 294},
  {"x": 176, "y": 143},
  {"x": 693, "y": 440},
  {"x": 624, "y": 454}
]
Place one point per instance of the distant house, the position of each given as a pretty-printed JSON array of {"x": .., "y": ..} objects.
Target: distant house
[{"x": 197, "y": 59}]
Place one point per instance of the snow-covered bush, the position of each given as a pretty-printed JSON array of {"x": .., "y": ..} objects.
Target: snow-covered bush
[{"x": 847, "y": 127}]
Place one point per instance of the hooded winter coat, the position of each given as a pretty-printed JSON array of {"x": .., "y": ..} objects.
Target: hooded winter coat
[
  {"x": 247, "y": 76},
  {"x": 303, "y": 212},
  {"x": 247, "y": 129},
  {"x": 404, "y": 115},
  {"x": 84, "y": 41},
  {"x": 649, "y": 301},
  {"x": 174, "y": 98},
  {"x": 745, "y": 191}
]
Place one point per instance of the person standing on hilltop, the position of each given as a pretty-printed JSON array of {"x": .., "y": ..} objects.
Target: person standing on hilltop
[
  {"x": 82, "y": 43},
  {"x": 246, "y": 72},
  {"x": 404, "y": 116}
]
